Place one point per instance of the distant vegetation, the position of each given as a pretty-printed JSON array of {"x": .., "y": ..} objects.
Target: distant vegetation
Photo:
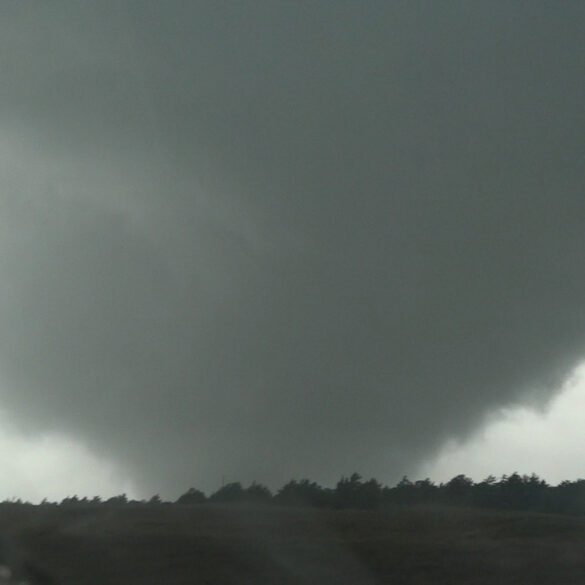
[{"x": 510, "y": 492}]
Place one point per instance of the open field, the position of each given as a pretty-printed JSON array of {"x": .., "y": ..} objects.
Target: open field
[{"x": 222, "y": 545}]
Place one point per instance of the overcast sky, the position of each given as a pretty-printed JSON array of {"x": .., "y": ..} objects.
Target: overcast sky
[{"x": 263, "y": 240}]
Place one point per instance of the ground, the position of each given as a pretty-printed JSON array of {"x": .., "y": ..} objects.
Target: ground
[{"x": 223, "y": 545}]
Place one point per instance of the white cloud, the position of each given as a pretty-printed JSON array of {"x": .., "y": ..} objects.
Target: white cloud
[{"x": 549, "y": 443}]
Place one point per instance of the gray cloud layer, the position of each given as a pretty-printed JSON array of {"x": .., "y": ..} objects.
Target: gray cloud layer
[{"x": 269, "y": 239}]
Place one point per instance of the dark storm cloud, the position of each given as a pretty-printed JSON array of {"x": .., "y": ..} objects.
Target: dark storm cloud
[{"x": 265, "y": 240}]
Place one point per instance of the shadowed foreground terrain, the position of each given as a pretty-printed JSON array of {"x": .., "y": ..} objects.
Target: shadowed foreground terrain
[{"x": 223, "y": 545}]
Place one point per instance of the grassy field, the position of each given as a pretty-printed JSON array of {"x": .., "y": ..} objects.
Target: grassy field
[{"x": 221, "y": 545}]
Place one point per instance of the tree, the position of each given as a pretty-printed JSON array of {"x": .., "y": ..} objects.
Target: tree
[
  {"x": 120, "y": 500},
  {"x": 230, "y": 492},
  {"x": 303, "y": 493},
  {"x": 257, "y": 492},
  {"x": 191, "y": 497},
  {"x": 352, "y": 492}
]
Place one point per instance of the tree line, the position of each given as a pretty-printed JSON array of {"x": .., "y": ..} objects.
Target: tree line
[{"x": 509, "y": 492}]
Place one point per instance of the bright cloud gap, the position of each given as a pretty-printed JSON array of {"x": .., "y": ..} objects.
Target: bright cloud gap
[{"x": 550, "y": 443}]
